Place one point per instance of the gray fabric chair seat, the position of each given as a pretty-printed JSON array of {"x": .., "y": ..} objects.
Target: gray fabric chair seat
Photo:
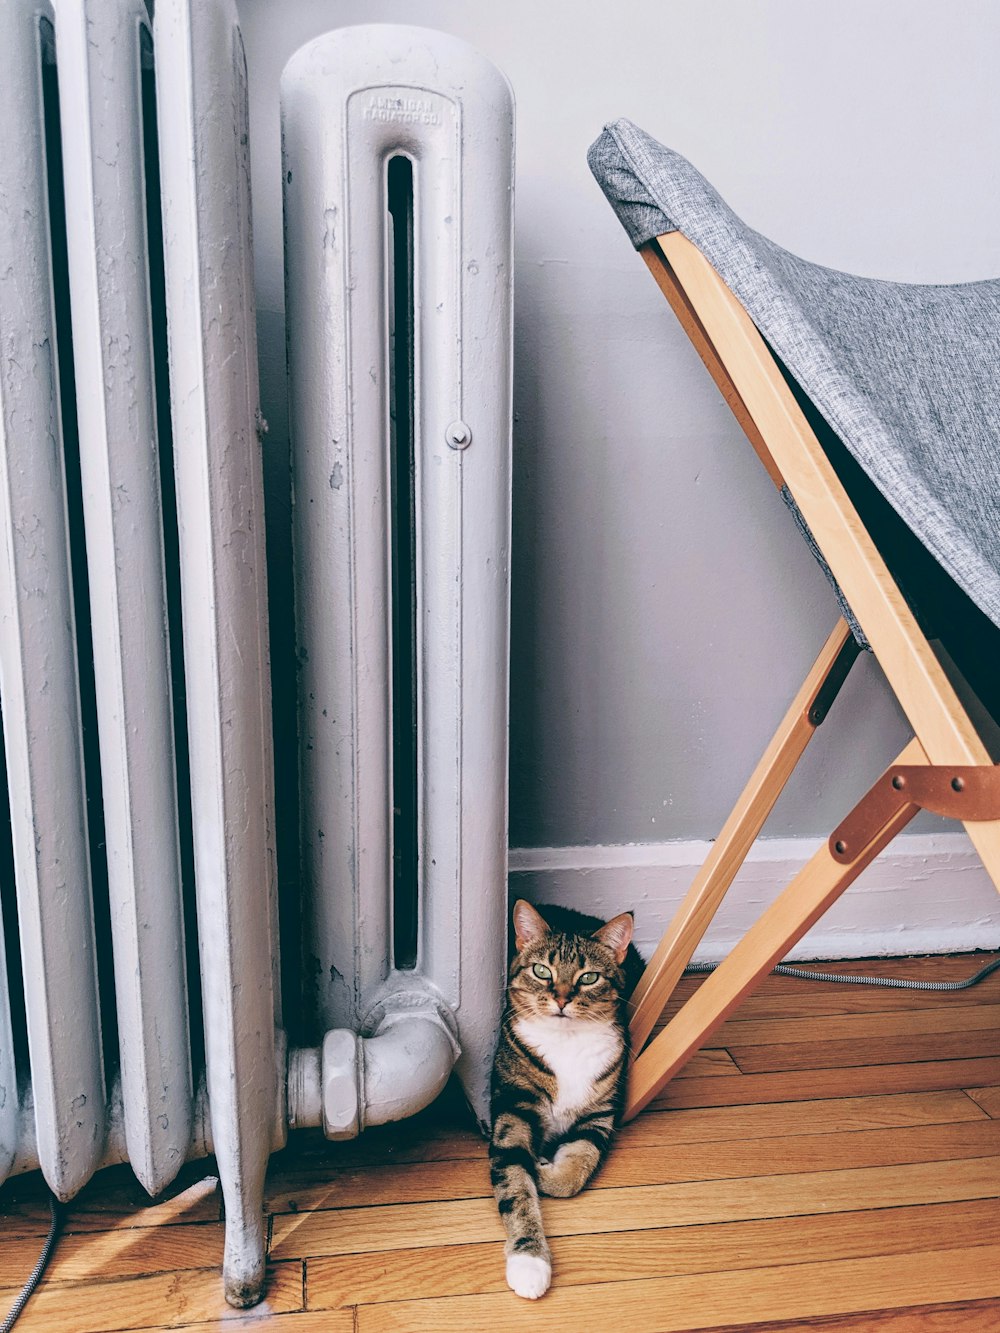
[{"x": 907, "y": 376}]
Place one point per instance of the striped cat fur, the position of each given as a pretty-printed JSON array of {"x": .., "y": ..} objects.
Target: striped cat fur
[{"x": 560, "y": 1071}]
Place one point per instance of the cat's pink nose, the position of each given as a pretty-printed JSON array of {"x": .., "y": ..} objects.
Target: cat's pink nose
[{"x": 562, "y": 1001}]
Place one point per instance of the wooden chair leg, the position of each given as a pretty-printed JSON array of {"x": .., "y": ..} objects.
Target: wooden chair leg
[
  {"x": 817, "y": 885},
  {"x": 741, "y": 828}
]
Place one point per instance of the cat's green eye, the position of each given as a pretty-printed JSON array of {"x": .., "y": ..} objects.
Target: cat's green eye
[
  {"x": 542, "y": 972},
  {"x": 588, "y": 978}
]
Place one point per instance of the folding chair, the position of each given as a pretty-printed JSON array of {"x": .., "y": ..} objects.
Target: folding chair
[{"x": 875, "y": 408}]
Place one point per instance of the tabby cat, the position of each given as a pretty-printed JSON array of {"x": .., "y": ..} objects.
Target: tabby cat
[{"x": 559, "y": 1074}]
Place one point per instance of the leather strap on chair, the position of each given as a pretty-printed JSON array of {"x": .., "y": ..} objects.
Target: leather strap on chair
[{"x": 966, "y": 792}]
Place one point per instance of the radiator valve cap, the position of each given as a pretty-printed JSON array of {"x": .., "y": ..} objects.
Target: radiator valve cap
[{"x": 341, "y": 1119}]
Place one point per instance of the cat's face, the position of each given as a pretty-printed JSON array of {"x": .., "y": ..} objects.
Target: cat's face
[{"x": 555, "y": 975}]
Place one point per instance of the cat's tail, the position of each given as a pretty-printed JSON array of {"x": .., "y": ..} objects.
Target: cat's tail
[{"x": 513, "y": 1177}]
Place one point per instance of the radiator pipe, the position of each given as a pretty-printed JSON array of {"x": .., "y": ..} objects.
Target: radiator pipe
[{"x": 353, "y": 1082}]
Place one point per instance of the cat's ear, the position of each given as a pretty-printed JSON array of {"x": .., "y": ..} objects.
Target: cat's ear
[
  {"x": 617, "y": 935},
  {"x": 528, "y": 925}
]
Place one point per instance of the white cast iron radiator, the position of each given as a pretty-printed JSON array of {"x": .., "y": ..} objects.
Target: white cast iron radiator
[{"x": 134, "y": 677}]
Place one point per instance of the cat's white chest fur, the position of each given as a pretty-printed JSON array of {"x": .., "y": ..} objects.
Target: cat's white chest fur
[{"x": 577, "y": 1053}]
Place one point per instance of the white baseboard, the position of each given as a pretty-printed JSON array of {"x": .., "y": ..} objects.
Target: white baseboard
[{"x": 926, "y": 893}]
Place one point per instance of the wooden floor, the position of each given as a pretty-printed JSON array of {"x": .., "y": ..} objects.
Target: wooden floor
[{"x": 832, "y": 1162}]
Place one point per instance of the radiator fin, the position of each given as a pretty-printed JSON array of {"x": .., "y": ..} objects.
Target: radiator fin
[
  {"x": 38, "y": 657},
  {"x": 100, "y": 52},
  {"x": 357, "y": 102},
  {"x": 204, "y": 156}
]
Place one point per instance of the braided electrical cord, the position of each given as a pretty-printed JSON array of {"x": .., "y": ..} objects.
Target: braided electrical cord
[
  {"x": 848, "y": 979},
  {"x": 24, "y": 1295}
]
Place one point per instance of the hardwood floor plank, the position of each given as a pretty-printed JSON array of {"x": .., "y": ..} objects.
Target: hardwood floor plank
[
  {"x": 840, "y": 1002},
  {"x": 729, "y": 1159},
  {"x": 295, "y": 1170},
  {"x": 465, "y": 1221},
  {"x": 121, "y": 1251},
  {"x": 952, "y": 1317},
  {"x": 302, "y": 1321},
  {"x": 649, "y": 1164},
  {"x": 296, "y": 1173},
  {"x": 708, "y": 1063},
  {"x": 783, "y": 1119},
  {"x": 923, "y": 1076},
  {"x": 988, "y": 1099},
  {"x": 182, "y": 1297},
  {"x": 365, "y": 1279},
  {"x": 789, "y": 997},
  {"x": 663, "y": 1305},
  {"x": 24, "y": 1208},
  {"x": 409, "y": 1182},
  {"x": 301, "y": 1183},
  {"x": 853, "y": 1051},
  {"x": 928, "y": 967},
  {"x": 843, "y": 1027}
]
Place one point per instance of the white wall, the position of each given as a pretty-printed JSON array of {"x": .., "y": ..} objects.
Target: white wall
[{"x": 664, "y": 607}]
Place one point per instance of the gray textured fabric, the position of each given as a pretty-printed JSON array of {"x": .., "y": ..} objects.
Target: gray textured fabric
[
  {"x": 860, "y": 638},
  {"x": 906, "y": 375}
]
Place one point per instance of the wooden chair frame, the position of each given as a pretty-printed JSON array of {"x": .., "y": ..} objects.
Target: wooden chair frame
[{"x": 742, "y": 366}]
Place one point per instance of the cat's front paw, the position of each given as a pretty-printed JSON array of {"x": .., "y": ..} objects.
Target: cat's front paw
[
  {"x": 528, "y": 1275},
  {"x": 569, "y": 1170}
]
